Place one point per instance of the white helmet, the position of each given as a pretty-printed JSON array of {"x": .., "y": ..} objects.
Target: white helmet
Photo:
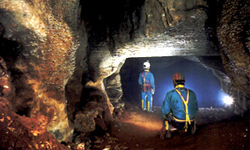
[{"x": 146, "y": 65}]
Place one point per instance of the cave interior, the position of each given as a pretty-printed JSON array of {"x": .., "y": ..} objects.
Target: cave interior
[{"x": 69, "y": 72}]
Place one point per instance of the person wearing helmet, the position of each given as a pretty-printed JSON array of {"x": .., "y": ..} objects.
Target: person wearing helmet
[
  {"x": 179, "y": 108},
  {"x": 146, "y": 80}
]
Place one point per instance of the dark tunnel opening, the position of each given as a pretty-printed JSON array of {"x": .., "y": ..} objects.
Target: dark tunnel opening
[{"x": 198, "y": 78}]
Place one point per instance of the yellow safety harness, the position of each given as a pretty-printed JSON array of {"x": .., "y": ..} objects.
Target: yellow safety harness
[
  {"x": 185, "y": 102},
  {"x": 166, "y": 125},
  {"x": 145, "y": 86}
]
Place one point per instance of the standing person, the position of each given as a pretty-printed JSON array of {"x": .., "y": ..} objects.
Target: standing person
[
  {"x": 146, "y": 80},
  {"x": 179, "y": 108}
]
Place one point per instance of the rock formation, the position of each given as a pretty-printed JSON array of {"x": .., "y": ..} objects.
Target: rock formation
[
  {"x": 61, "y": 59},
  {"x": 45, "y": 60}
]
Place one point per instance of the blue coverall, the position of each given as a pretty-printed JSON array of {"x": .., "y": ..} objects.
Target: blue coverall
[
  {"x": 146, "y": 90},
  {"x": 174, "y": 104}
]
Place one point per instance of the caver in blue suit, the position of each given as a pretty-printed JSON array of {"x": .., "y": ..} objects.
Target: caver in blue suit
[
  {"x": 146, "y": 80},
  {"x": 179, "y": 106}
]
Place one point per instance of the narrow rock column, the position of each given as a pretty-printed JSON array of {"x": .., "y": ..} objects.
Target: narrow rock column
[{"x": 103, "y": 65}]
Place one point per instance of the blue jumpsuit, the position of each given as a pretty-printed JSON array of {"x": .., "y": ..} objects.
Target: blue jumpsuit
[
  {"x": 146, "y": 90},
  {"x": 183, "y": 109}
]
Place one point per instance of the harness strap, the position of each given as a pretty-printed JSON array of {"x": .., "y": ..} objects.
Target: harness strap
[
  {"x": 166, "y": 125},
  {"x": 180, "y": 120},
  {"x": 144, "y": 76},
  {"x": 144, "y": 79},
  {"x": 186, "y": 107}
]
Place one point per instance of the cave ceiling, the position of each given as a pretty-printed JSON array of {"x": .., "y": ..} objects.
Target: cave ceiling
[{"x": 59, "y": 57}]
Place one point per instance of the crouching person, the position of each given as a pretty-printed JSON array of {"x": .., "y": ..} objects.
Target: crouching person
[{"x": 179, "y": 108}]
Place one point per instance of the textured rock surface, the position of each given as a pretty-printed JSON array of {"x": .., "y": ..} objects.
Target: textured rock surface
[
  {"x": 45, "y": 61},
  {"x": 233, "y": 34},
  {"x": 62, "y": 58},
  {"x": 20, "y": 132}
]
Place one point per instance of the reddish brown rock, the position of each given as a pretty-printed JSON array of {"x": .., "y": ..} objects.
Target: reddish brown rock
[
  {"x": 46, "y": 60},
  {"x": 20, "y": 132}
]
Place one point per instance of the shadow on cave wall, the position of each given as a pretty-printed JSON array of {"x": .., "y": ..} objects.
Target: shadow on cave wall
[
  {"x": 198, "y": 78},
  {"x": 22, "y": 96}
]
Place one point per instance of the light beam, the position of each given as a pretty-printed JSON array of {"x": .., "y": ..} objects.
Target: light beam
[{"x": 228, "y": 100}]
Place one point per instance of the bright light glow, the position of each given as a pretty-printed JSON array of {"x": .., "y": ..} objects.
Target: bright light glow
[
  {"x": 228, "y": 100},
  {"x": 144, "y": 121}
]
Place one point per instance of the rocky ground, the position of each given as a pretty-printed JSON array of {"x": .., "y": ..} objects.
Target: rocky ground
[
  {"x": 135, "y": 129},
  {"x": 132, "y": 129}
]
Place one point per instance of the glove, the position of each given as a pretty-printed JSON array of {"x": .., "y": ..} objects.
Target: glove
[
  {"x": 168, "y": 117},
  {"x": 153, "y": 91}
]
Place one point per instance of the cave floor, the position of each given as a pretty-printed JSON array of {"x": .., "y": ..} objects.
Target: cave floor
[{"x": 135, "y": 129}]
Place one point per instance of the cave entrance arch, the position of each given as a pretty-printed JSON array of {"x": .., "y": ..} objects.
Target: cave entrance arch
[{"x": 199, "y": 72}]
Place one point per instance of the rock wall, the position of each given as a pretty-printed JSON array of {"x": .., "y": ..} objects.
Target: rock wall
[
  {"x": 233, "y": 33},
  {"x": 46, "y": 32}
]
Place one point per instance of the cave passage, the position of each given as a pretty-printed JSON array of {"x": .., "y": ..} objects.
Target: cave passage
[{"x": 198, "y": 78}]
